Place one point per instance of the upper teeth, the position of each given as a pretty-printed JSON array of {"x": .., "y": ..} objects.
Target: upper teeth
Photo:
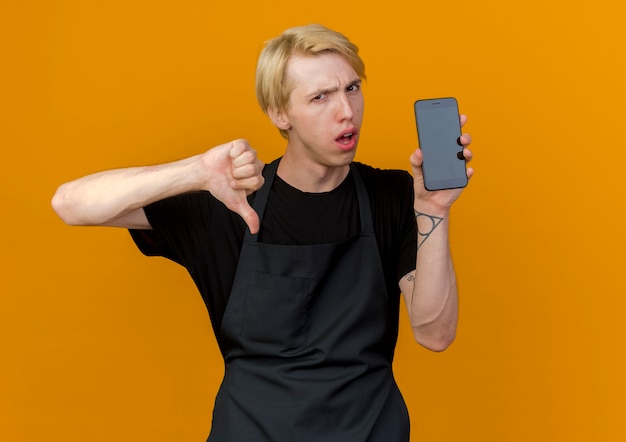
[{"x": 348, "y": 135}]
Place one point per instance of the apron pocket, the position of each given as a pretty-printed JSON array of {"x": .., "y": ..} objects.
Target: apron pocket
[{"x": 276, "y": 310}]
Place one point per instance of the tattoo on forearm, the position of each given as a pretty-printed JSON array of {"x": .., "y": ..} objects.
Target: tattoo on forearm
[{"x": 426, "y": 224}]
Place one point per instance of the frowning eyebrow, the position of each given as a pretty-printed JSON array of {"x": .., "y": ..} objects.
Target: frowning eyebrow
[{"x": 320, "y": 91}]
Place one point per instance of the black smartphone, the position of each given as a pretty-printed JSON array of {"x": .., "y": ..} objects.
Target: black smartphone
[{"x": 438, "y": 133}]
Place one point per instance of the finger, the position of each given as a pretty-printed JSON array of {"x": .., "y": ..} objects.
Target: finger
[
  {"x": 465, "y": 140},
  {"x": 468, "y": 155},
  {"x": 250, "y": 184},
  {"x": 470, "y": 173},
  {"x": 251, "y": 218},
  {"x": 245, "y": 158},
  {"x": 463, "y": 119},
  {"x": 238, "y": 147},
  {"x": 241, "y": 207},
  {"x": 416, "y": 158},
  {"x": 248, "y": 177},
  {"x": 247, "y": 170}
]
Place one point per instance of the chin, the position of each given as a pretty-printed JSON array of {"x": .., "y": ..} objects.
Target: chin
[{"x": 344, "y": 159}]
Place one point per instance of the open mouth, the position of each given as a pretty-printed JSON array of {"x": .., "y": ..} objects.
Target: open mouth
[{"x": 346, "y": 138}]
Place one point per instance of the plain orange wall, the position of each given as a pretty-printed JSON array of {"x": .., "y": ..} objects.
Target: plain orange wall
[{"x": 99, "y": 343}]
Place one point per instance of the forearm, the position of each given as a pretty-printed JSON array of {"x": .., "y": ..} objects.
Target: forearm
[
  {"x": 433, "y": 302},
  {"x": 101, "y": 198}
]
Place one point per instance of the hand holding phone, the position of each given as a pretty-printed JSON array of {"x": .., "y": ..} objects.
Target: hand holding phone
[{"x": 439, "y": 132}]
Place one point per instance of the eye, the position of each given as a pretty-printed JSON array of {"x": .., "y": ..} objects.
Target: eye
[
  {"x": 353, "y": 87},
  {"x": 319, "y": 97}
]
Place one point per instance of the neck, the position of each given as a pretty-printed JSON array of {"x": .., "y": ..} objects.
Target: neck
[{"x": 309, "y": 176}]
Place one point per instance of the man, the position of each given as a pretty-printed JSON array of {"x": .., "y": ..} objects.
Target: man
[{"x": 301, "y": 262}]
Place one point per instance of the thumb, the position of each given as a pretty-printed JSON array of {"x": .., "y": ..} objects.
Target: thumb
[
  {"x": 416, "y": 158},
  {"x": 250, "y": 217}
]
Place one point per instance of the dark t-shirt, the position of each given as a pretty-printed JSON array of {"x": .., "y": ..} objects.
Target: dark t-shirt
[{"x": 200, "y": 233}]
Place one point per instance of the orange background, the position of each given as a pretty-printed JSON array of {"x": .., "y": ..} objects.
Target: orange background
[{"x": 99, "y": 343}]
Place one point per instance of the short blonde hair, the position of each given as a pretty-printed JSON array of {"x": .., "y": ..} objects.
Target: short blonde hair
[{"x": 272, "y": 90}]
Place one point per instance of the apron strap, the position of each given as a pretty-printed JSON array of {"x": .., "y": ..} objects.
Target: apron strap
[
  {"x": 261, "y": 197},
  {"x": 367, "y": 223}
]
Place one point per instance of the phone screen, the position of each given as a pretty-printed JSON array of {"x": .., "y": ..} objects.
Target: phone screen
[{"x": 438, "y": 130}]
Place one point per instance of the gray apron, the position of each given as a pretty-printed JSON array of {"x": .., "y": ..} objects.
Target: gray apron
[{"x": 308, "y": 343}]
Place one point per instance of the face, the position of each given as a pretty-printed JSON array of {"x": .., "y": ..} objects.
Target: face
[{"x": 325, "y": 110}]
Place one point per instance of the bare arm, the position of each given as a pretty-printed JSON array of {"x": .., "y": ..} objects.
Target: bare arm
[
  {"x": 430, "y": 292},
  {"x": 116, "y": 197}
]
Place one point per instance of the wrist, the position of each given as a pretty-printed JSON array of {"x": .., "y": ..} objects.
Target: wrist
[
  {"x": 182, "y": 176},
  {"x": 421, "y": 207},
  {"x": 195, "y": 169}
]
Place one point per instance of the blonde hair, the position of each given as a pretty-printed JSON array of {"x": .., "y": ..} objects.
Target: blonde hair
[{"x": 272, "y": 90}]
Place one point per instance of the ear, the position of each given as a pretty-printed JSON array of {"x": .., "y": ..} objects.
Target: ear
[{"x": 279, "y": 118}]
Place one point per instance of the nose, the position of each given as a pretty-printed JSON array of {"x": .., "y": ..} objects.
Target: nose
[{"x": 345, "y": 107}]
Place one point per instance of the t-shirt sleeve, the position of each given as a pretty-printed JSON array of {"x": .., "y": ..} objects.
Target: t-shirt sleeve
[
  {"x": 175, "y": 221},
  {"x": 408, "y": 228}
]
